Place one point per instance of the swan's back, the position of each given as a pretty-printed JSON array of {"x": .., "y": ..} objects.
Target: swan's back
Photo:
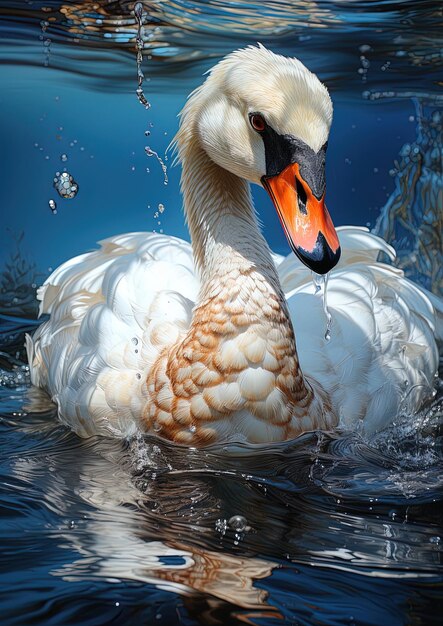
[
  {"x": 114, "y": 310},
  {"x": 382, "y": 356}
]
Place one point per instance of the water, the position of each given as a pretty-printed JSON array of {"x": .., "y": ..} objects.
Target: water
[
  {"x": 327, "y": 529},
  {"x": 139, "y": 15},
  {"x": 320, "y": 282}
]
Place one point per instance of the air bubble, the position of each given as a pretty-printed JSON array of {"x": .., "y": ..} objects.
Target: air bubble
[
  {"x": 53, "y": 206},
  {"x": 221, "y": 525},
  {"x": 65, "y": 185},
  {"x": 238, "y": 523}
]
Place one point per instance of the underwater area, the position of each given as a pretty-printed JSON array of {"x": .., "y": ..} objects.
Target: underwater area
[{"x": 330, "y": 528}]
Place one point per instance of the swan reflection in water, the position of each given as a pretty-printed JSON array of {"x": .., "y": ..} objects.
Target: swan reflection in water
[{"x": 155, "y": 513}]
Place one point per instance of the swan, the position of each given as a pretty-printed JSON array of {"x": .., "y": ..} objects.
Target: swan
[{"x": 222, "y": 340}]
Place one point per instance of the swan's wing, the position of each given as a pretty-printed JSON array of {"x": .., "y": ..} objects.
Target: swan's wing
[
  {"x": 112, "y": 311},
  {"x": 382, "y": 354}
]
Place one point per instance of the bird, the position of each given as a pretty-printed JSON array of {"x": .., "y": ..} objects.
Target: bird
[{"x": 220, "y": 339}]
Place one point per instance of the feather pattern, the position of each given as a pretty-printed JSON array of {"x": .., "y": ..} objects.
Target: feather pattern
[
  {"x": 222, "y": 339},
  {"x": 114, "y": 310}
]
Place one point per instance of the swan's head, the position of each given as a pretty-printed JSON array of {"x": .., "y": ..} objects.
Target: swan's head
[{"x": 266, "y": 118}]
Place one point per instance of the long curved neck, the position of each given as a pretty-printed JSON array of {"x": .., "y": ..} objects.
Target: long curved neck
[
  {"x": 222, "y": 222},
  {"x": 236, "y": 367}
]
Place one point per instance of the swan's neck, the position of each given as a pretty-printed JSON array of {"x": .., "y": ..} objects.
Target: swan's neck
[
  {"x": 226, "y": 239},
  {"x": 237, "y": 367}
]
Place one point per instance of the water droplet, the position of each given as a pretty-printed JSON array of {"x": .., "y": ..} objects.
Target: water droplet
[
  {"x": 138, "y": 12},
  {"x": 192, "y": 428},
  {"x": 53, "y": 206},
  {"x": 317, "y": 279},
  {"x": 63, "y": 157},
  {"x": 161, "y": 208},
  {"x": 435, "y": 539},
  {"x": 152, "y": 153},
  {"x": 134, "y": 341},
  {"x": 221, "y": 525},
  {"x": 65, "y": 185},
  {"x": 238, "y": 523},
  {"x": 320, "y": 280}
]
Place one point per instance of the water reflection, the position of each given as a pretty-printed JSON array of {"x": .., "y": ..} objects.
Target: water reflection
[{"x": 152, "y": 512}]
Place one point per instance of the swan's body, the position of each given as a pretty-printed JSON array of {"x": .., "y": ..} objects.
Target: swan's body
[{"x": 197, "y": 344}]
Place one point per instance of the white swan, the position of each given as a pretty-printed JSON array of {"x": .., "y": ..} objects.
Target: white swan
[{"x": 197, "y": 344}]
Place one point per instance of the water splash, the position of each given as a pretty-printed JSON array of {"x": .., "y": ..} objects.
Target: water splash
[
  {"x": 411, "y": 220},
  {"x": 139, "y": 14},
  {"x": 152, "y": 153},
  {"x": 321, "y": 285}
]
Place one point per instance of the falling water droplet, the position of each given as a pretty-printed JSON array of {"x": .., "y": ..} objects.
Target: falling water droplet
[
  {"x": 320, "y": 280},
  {"x": 53, "y": 206},
  {"x": 152, "y": 153},
  {"x": 317, "y": 279},
  {"x": 161, "y": 208},
  {"x": 63, "y": 157},
  {"x": 65, "y": 185},
  {"x": 139, "y": 14}
]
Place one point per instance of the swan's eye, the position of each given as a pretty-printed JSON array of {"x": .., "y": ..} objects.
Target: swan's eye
[{"x": 257, "y": 122}]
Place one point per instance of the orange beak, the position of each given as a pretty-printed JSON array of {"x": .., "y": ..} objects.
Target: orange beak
[{"x": 305, "y": 219}]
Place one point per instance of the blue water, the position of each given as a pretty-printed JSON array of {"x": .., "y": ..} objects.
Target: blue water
[{"x": 338, "y": 530}]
